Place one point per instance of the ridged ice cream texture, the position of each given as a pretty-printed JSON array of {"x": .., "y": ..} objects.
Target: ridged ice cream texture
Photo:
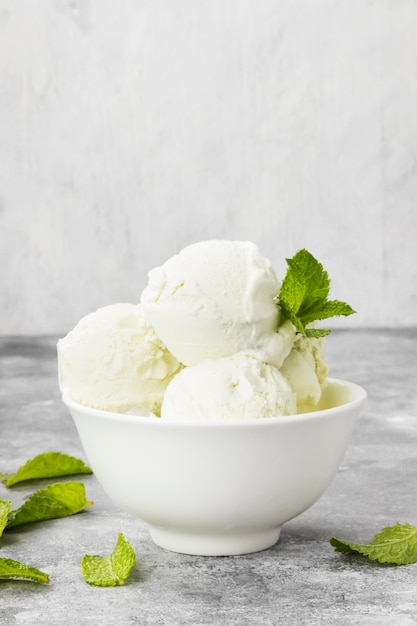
[
  {"x": 214, "y": 299},
  {"x": 113, "y": 360},
  {"x": 306, "y": 370},
  {"x": 237, "y": 387}
]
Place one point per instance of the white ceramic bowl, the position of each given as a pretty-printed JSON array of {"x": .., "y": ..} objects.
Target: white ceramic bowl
[{"x": 219, "y": 487}]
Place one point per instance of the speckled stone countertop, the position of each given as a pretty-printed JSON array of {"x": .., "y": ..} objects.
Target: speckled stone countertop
[{"x": 301, "y": 580}]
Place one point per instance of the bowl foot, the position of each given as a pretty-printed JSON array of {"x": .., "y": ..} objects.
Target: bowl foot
[{"x": 228, "y": 544}]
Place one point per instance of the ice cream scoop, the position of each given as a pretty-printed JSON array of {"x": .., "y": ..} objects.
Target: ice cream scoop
[
  {"x": 306, "y": 370},
  {"x": 214, "y": 299},
  {"x": 113, "y": 360},
  {"x": 236, "y": 387}
]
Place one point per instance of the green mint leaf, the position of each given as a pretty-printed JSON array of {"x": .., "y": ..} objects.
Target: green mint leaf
[
  {"x": 46, "y": 465},
  {"x": 306, "y": 282},
  {"x": 55, "y": 500},
  {"x": 394, "y": 544},
  {"x": 111, "y": 570},
  {"x": 331, "y": 308},
  {"x": 303, "y": 297},
  {"x": 19, "y": 571},
  {"x": 316, "y": 332},
  {"x": 5, "y": 506}
]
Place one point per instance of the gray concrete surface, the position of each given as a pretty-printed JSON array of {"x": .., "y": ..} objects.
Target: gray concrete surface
[{"x": 299, "y": 581}]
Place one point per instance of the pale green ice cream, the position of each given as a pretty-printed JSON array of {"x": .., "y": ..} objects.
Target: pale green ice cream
[
  {"x": 206, "y": 342},
  {"x": 306, "y": 370},
  {"x": 216, "y": 298},
  {"x": 238, "y": 387},
  {"x": 113, "y": 360}
]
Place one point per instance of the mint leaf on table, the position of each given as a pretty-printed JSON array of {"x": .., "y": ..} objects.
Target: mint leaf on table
[
  {"x": 55, "y": 500},
  {"x": 46, "y": 465},
  {"x": 5, "y": 507},
  {"x": 15, "y": 570},
  {"x": 11, "y": 569},
  {"x": 110, "y": 570},
  {"x": 303, "y": 297},
  {"x": 394, "y": 544}
]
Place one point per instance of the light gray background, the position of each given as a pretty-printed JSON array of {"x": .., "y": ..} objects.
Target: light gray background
[{"x": 129, "y": 129}]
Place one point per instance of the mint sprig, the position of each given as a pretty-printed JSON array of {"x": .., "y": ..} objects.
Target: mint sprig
[
  {"x": 46, "y": 465},
  {"x": 11, "y": 569},
  {"x": 54, "y": 501},
  {"x": 303, "y": 297},
  {"x": 5, "y": 507},
  {"x": 110, "y": 570},
  {"x": 394, "y": 544}
]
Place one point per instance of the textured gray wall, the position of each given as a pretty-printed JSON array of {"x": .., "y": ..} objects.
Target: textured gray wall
[{"x": 129, "y": 129}]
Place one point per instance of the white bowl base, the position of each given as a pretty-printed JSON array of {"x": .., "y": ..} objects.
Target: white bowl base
[{"x": 214, "y": 545}]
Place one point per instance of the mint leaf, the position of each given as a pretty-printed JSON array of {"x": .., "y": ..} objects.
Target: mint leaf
[
  {"x": 46, "y": 465},
  {"x": 16, "y": 570},
  {"x": 5, "y": 506},
  {"x": 111, "y": 570},
  {"x": 303, "y": 297},
  {"x": 55, "y": 500},
  {"x": 394, "y": 544}
]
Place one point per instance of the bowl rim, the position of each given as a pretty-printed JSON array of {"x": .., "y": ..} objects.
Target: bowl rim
[{"x": 359, "y": 398}]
